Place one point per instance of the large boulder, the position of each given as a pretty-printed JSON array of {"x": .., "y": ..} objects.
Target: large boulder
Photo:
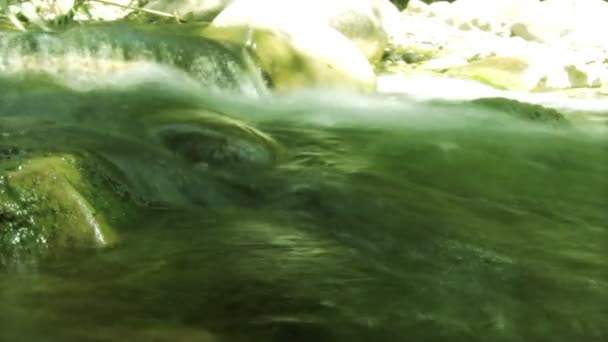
[
  {"x": 46, "y": 208},
  {"x": 367, "y": 23},
  {"x": 295, "y": 49}
]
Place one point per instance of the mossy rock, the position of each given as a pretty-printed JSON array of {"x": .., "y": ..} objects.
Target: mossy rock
[
  {"x": 45, "y": 209},
  {"x": 505, "y": 73},
  {"x": 294, "y": 60},
  {"x": 522, "y": 110},
  {"x": 410, "y": 54},
  {"x": 118, "y": 46},
  {"x": 7, "y": 26}
]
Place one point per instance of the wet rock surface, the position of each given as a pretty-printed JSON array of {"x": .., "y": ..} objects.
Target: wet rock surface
[{"x": 46, "y": 210}]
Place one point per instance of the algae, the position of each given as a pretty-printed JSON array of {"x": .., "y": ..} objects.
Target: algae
[
  {"x": 45, "y": 208},
  {"x": 500, "y": 72},
  {"x": 522, "y": 110}
]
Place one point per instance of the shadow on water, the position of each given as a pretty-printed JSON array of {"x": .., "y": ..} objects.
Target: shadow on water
[{"x": 374, "y": 219}]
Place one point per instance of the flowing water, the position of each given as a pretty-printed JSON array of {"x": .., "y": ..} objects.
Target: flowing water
[{"x": 320, "y": 217}]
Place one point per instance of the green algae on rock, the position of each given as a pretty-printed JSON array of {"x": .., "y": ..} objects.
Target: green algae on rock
[
  {"x": 500, "y": 72},
  {"x": 523, "y": 110},
  {"x": 81, "y": 52},
  {"x": 44, "y": 209},
  {"x": 402, "y": 59},
  {"x": 292, "y": 57}
]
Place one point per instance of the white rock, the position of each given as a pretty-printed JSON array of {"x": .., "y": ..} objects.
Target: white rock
[
  {"x": 416, "y": 7},
  {"x": 190, "y": 9},
  {"x": 390, "y": 17},
  {"x": 439, "y": 9},
  {"x": 560, "y": 41},
  {"x": 295, "y": 48},
  {"x": 486, "y": 15},
  {"x": 447, "y": 62},
  {"x": 553, "y": 20},
  {"x": 596, "y": 74},
  {"x": 368, "y": 23}
]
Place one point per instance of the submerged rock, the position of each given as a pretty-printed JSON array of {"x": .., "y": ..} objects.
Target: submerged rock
[
  {"x": 212, "y": 140},
  {"x": 46, "y": 208}
]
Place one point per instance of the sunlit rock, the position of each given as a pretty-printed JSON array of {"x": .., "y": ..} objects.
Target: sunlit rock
[
  {"x": 46, "y": 208},
  {"x": 530, "y": 74},
  {"x": 439, "y": 9},
  {"x": 523, "y": 45},
  {"x": 447, "y": 62},
  {"x": 416, "y": 7},
  {"x": 547, "y": 23},
  {"x": 293, "y": 49},
  {"x": 500, "y": 72},
  {"x": 367, "y": 23},
  {"x": 190, "y": 9},
  {"x": 493, "y": 16}
]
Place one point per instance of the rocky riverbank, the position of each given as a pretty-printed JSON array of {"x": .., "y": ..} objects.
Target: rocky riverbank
[
  {"x": 523, "y": 45},
  {"x": 524, "y": 50}
]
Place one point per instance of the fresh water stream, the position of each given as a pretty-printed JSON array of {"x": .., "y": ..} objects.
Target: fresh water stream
[{"x": 314, "y": 216}]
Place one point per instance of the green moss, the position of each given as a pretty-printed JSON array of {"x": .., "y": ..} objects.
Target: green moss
[
  {"x": 523, "y": 110},
  {"x": 286, "y": 67},
  {"x": 6, "y": 25},
  {"x": 44, "y": 209},
  {"x": 500, "y": 72},
  {"x": 396, "y": 55}
]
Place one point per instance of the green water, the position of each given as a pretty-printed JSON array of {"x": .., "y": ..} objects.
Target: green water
[{"x": 370, "y": 218}]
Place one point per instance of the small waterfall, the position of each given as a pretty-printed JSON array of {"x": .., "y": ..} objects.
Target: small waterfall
[{"x": 98, "y": 55}]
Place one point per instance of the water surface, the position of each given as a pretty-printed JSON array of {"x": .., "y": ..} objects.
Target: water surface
[{"x": 344, "y": 218}]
